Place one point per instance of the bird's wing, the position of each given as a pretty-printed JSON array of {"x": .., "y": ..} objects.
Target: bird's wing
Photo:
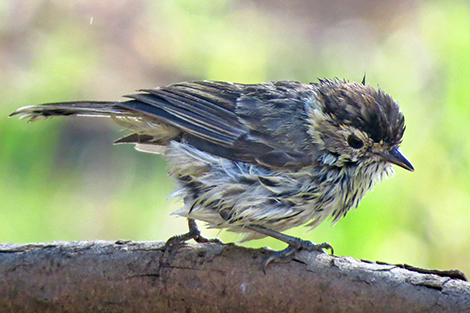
[{"x": 263, "y": 124}]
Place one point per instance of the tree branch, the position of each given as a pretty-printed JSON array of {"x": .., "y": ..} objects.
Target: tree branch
[{"x": 103, "y": 276}]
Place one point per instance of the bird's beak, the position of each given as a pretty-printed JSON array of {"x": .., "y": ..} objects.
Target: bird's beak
[{"x": 395, "y": 156}]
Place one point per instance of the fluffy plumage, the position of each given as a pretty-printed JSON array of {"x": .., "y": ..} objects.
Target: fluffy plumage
[{"x": 276, "y": 155}]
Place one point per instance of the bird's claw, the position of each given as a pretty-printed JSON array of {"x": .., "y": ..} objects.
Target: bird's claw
[
  {"x": 193, "y": 233},
  {"x": 179, "y": 239},
  {"x": 202, "y": 239},
  {"x": 310, "y": 246},
  {"x": 291, "y": 249}
]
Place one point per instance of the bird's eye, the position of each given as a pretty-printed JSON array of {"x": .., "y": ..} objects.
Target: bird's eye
[{"x": 355, "y": 142}]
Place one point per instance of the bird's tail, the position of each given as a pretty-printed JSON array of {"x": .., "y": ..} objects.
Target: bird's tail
[{"x": 79, "y": 108}]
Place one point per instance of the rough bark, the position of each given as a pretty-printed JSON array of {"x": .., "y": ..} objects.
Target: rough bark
[{"x": 103, "y": 276}]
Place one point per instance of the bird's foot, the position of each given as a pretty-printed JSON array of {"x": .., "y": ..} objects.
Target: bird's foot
[
  {"x": 193, "y": 233},
  {"x": 294, "y": 247},
  {"x": 294, "y": 244}
]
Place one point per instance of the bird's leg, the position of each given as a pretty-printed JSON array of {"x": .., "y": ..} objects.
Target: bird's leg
[
  {"x": 294, "y": 244},
  {"x": 193, "y": 233}
]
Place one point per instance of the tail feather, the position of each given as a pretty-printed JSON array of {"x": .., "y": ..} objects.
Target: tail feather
[{"x": 81, "y": 108}]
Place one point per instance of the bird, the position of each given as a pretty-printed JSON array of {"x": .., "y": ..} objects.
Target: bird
[{"x": 259, "y": 159}]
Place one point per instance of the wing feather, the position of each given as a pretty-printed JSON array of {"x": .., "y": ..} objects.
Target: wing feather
[
  {"x": 262, "y": 124},
  {"x": 181, "y": 119}
]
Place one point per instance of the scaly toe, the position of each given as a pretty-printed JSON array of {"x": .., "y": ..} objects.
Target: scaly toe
[
  {"x": 310, "y": 246},
  {"x": 276, "y": 256},
  {"x": 174, "y": 241},
  {"x": 202, "y": 239},
  {"x": 303, "y": 245}
]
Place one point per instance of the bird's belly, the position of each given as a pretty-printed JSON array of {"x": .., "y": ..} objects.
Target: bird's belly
[{"x": 231, "y": 195}]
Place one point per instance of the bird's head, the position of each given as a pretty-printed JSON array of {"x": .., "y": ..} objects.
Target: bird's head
[{"x": 354, "y": 124}]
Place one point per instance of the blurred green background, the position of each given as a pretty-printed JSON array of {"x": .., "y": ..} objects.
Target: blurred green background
[{"x": 62, "y": 179}]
